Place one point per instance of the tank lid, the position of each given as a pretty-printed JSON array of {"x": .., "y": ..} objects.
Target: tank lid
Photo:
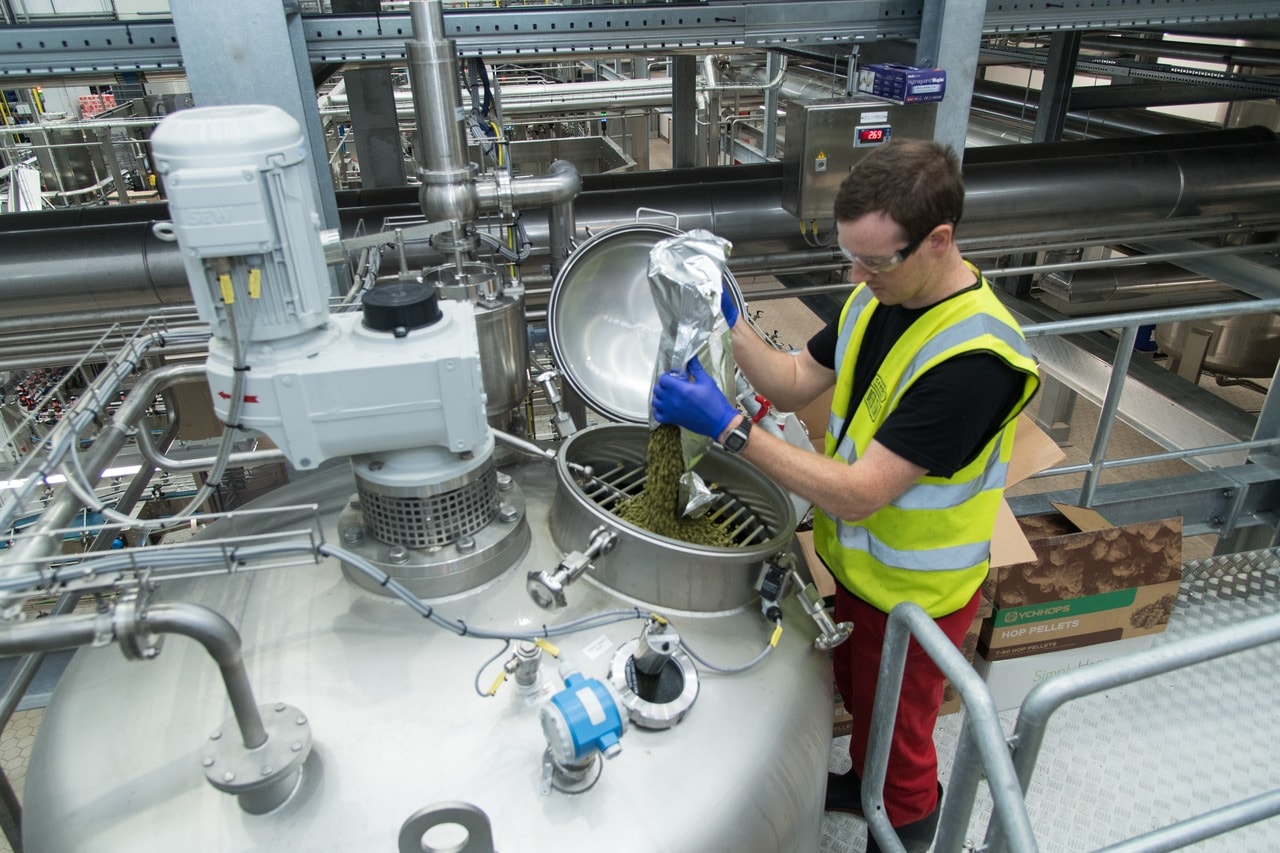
[{"x": 602, "y": 322}]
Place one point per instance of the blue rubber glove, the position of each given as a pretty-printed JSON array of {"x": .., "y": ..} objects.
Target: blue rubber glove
[
  {"x": 728, "y": 307},
  {"x": 693, "y": 401}
]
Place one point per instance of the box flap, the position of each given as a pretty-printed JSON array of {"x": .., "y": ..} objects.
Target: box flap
[
  {"x": 822, "y": 578},
  {"x": 1009, "y": 544},
  {"x": 1033, "y": 451},
  {"x": 1085, "y": 519}
]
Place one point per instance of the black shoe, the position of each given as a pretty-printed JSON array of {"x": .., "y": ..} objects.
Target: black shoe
[
  {"x": 844, "y": 793},
  {"x": 916, "y": 836}
]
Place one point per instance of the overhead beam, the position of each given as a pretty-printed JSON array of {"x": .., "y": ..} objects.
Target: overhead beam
[{"x": 92, "y": 48}]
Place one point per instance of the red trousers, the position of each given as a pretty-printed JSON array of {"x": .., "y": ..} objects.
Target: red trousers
[{"x": 911, "y": 783}]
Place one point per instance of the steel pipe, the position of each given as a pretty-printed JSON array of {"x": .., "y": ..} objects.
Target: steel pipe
[
  {"x": 220, "y": 639},
  {"x": 209, "y": 629},
  {"x": 53, "y": 633},
  {"x": 448, "y": 187},
  {"x": 39, "y": 543}
]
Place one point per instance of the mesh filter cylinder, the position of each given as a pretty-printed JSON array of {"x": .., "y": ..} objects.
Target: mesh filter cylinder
[
  {"x": 438, "y": 523},
  {"x": 425, "y": 498}
]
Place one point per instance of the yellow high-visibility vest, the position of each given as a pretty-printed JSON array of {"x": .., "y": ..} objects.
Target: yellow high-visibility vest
[{"x": 932, "y": 544}]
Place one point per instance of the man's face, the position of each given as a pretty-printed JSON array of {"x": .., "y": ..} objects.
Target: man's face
[{"x": 885, "y": 257}]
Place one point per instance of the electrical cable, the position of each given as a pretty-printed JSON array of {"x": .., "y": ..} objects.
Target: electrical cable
[
  {"x": 498, "y": 246},
  {"x": 191, "y": 556},
  {"x": 731, "y": 670},
  {"x": 488, "y": 694}
]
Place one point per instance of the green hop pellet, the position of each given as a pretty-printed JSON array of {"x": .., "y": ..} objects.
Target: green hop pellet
[{"x": 657, "y": 508}]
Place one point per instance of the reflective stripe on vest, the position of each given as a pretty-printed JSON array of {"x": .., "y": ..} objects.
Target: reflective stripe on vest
[
  {"x": 934, "y": 559},
  {"x": 961, "y": 333}
]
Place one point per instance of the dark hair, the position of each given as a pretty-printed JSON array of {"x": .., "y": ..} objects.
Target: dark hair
[{"x": 916, "y": 182}]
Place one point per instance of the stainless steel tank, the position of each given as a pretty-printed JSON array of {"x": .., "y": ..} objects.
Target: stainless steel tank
[
  {"x": 396, "y": 706},
  {"x": 1244, "y": 346},
  {"x": 398, "y": 722},
  {"x": 500, "y": 325}
]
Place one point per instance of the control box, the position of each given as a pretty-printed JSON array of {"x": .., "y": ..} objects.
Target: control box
[{"x": 826, "y": 139}]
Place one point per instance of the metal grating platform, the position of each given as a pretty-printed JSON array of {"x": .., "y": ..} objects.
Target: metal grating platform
[{"x": 1127, "y": 761}]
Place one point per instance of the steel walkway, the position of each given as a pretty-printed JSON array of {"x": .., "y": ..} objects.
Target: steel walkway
[{"x": 1132, "y": 759}]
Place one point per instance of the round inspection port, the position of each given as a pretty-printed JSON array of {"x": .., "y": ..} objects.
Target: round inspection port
[{"x": 658, "y": 700}]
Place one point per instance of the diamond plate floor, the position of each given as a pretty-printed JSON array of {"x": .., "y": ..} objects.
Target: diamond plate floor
[{"x": 1127, "y": 761}]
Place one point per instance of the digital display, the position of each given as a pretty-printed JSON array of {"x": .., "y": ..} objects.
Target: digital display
[{"x": 872, "y": 135}]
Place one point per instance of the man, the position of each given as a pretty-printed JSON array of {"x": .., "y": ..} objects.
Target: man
[{"x": 929, "y": 371}]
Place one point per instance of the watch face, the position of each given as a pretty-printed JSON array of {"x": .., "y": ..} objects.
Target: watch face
[{"x": 736, "y": 440}]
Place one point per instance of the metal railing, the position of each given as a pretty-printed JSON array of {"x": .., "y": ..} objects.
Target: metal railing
[
  {"x": 1128, "y": 325},
  {"x": 1049, "y": 696},
  {"x": 1009, "y": 764},
  {"x": 982, "y": 742}
]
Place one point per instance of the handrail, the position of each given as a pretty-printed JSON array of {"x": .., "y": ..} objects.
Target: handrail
[
  {"x": 1207, "y": 825},
  {"x": 1128, "y": 324},
  {"x": 982, "y": 724},
  {"x": 1047, "y": 697}
]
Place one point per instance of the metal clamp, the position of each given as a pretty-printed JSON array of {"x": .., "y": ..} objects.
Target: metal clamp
[
  {"x": 506, "y": 196},
  {"x": 137, "y": 641},
  {"x": 547, "y": 588}
]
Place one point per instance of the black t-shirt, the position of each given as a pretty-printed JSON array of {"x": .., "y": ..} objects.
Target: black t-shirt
[{"x": 950, "y": 413}]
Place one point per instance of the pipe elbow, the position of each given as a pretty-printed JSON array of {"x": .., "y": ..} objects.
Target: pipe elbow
[
  {"x": 207, "y": 627},
  {"x": 569, "y": 181},
  {"x": 458, "y": 200},
  {"x": 561, "y": 185}
]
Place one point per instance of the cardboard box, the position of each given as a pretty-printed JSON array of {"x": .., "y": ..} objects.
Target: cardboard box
[
  {"x": 903, "y": 84},
  {"x": 1012, "y": 679},
  {"x": 1090, "y": 582},
  {"x": 1075, "y": 622}
]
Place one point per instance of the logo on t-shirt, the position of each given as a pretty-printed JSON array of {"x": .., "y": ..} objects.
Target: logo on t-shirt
[{"x": 875, "y": 397}]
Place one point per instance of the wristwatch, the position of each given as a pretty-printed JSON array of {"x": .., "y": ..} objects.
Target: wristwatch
[{"x": 737, "y": 437}]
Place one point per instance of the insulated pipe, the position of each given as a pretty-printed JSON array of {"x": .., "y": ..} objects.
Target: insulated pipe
[
  {"x": 540, "y": 98},
  {"x": 1161, "y": 178},
  {"x": 1155, "y": 279}
]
